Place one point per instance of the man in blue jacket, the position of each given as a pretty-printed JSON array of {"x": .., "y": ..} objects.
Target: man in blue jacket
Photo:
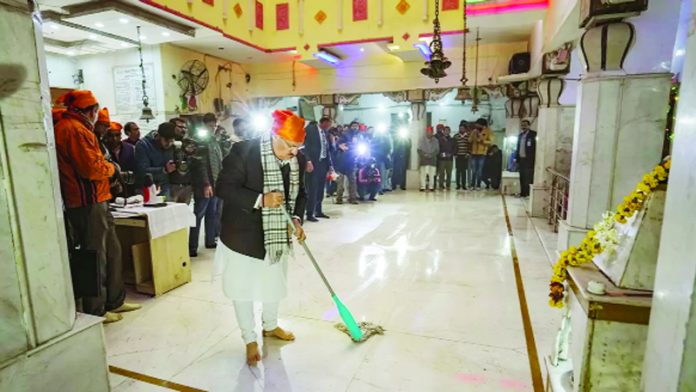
[{"x": 154, "y": 155}]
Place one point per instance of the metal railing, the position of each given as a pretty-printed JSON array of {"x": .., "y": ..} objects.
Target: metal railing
[{"x": 557, "y": 207}]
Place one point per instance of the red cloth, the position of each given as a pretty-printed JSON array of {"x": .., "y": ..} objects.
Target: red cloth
[
  {"x": 104, "y": 116},
  {"x": 288, "y": 126},
  {"x": 80, "y": 99},
  {"x": 84, "y": 172},
  {"x": 115, "y": 127}
]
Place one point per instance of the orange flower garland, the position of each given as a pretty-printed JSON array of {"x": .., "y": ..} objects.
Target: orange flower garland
[{"x": 590, "y": 246}]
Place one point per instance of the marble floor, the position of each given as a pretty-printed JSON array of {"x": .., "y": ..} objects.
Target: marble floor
[{"x": 434, "y": 269}]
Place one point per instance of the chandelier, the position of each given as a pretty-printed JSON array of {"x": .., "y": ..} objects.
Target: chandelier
[
  {"x": 435, "y": 68},
  {"x": 147, "y": 111}
]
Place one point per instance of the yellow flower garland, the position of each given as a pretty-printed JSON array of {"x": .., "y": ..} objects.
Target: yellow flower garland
[{"x": 590, "y": 247}]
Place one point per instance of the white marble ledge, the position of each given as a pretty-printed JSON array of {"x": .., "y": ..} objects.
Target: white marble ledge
[{"x": 606, "y": 76}]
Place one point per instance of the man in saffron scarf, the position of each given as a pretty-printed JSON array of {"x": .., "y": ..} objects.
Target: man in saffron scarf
[
  {"x": 259, "y": 178},
  {"x": 84, "y": 184}
]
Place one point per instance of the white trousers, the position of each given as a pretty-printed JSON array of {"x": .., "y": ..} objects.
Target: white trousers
[
  {"x": 425, "y": 171},
  {"x": 245, "y": 318}
]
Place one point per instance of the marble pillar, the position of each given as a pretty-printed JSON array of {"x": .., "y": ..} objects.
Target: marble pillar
[
  {"x": 417, "y": 131},
  {"x": 670, "y": 357},
  {"x": 618, "y": 136},
  {"x": 37, "y": 311},
  {"x": 554, "y": 142}
]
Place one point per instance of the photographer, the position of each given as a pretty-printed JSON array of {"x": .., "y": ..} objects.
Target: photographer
[
  {"x": 123, "y": 154},
  {"x": 205, "y": 170},
  {"x": 184, "y": 154},
  {"x": 154, "y": 155}
]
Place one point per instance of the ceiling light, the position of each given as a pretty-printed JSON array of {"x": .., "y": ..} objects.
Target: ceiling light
[
  {"x": 680, "y": 52},
  {"x": 327, "y": 57},
  {"x": 401, "y": 114},
  {"x": 403, "y": 132},
  {"x": 381, "y": 128},
  {"x": 362, "y": 49},
  {"x": 123, "y": 20},
  {"x": 142, "y": 37},
  {"x": 442, "y": 103},
  {"x": 71, "y": 53},
  {"x": 92, "y": 36},
  {"x": 393, "y": 47},
  {"x": 294, "y": 51},
  {"x": 165, "y": 34},
  {"x": 99, "y": 24}
]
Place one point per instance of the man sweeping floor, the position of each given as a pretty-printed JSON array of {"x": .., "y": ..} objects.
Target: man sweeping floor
[{"x": 258, "y": 177}]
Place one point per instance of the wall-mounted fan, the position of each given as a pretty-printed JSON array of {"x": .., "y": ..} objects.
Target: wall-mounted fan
[{"x": 193, "y": 79}]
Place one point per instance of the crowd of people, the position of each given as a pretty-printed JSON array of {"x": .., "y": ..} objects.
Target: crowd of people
[
  {"x": 471, "y": 152},
  {"x": 101, "y": 161}
]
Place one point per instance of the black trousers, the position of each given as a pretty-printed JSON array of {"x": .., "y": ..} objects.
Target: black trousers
[
  {"x": 462, "y": 167},
  {"x": 92, "y": 228},
  {"x": 315, "y": 182},
  {"x": 399, "y": 173},
  {"x": 526, "y": 168}
]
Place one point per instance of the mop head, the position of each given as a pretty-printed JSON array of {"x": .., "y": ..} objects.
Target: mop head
[{"x": 368, "y": 329}]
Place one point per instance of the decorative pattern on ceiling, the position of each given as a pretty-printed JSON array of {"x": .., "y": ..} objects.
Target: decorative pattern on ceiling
[
  {"x": 282, "y": 16},
  {"x": 403, "y": 6},
  {"x": 359, "y": 10},
  {"x": 237, "y": 10},
  {"x": 259, "y": 15},
  {"x": 320, "y": 17}
]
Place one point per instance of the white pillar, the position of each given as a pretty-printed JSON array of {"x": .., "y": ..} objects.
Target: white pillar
[
  {"x": 417, "y": 131},
  {"x": 619, "y": 129},
  {"x": 670, "y": 358},
  {"x": 35, "y": 286},
  {"x": 554, "y": 150}
]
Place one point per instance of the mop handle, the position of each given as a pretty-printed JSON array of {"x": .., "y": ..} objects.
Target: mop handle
[{"x": 309, "y": 253}]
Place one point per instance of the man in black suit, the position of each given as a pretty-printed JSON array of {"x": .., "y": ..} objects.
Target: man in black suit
[
  {"x": 258, "y": 177},
  {"x": 526, "y": 152},
  {"x": 318, "y": 153}
]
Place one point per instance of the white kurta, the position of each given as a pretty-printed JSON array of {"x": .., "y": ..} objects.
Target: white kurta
[{"x": 245, "y": 278}]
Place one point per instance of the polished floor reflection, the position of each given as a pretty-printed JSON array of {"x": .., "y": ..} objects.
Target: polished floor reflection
[{"x": 434, "y": 269}]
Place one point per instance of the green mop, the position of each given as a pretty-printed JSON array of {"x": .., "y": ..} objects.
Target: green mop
[{"x": 357, "y": 332}]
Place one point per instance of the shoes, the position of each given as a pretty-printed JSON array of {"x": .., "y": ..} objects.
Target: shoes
[
  {"x": 112, "y": 317},
  {"x": 372, "y": 199},
  {"x": 353, "y": 202},
  {"x": 312, "y": 219},
  {"x": 193, "y": 253},
  {"x": 422, "y": 190},
  {"x": 322, "y": 215},
  {"x": 403, "y": 188},
  {"x": 126, "y": 307},
  {"x": 459, "y": 187},
  {"x": 211, "y": 246},
  {"x": 431, "y": 190},
  {"x": 381, "y": 193},
  {"x": 339, "y": 201}
]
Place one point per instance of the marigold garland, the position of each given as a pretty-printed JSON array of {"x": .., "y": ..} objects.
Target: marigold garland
[{"x": 603, "y": 237}]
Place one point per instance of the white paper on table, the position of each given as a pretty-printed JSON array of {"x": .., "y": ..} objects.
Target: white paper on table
[{"x": 163, "y": 220}]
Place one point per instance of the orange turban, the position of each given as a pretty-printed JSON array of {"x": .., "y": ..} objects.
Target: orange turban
[
  {"x": 115, "y": 127},
  {"x": 288, "y": 126},
  {"x": 57, "y": 114},
  {"x": 80, "y": 99},
  {"x": 104, "y": 116}
]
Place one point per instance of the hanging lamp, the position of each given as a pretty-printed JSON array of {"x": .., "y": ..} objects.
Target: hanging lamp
[
  {"x": 435, "y": 68},
  {"x": 147, "y": 111},
  {"x": 465, "y": 91},
  {"x": 474, "y": 105}
]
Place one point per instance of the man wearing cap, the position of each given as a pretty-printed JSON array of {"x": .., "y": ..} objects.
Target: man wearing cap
[
  {"x": 84, "y": 183},
  {"x": 260, "y": 178},
  {"x": 154, "y": 155},
  {"x": 123, "y": 154}
]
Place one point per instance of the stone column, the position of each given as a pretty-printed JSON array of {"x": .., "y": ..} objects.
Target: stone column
[
  {"x": 670, "y": 357},
  {"x": 417, "y": 131},
  {"x": 619, "y": 128},
  {"x": 44, "y": 346},
  {"x": 554, "y": 142}
]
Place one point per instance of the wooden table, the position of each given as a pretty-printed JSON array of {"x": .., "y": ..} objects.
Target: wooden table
[{"x": 157, "y": 263}]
